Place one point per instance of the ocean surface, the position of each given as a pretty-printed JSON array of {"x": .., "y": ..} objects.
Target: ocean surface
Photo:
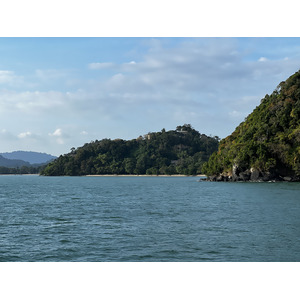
[{"x": 140, "y": 219}]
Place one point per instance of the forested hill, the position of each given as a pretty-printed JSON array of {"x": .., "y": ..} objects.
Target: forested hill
[
  {"x": 180, "y": 151},
  {"x": 266, "y": 146}
]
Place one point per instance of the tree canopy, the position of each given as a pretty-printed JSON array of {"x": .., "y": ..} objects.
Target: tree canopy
[
  {"x": 269, "y": 138},
  {"x": 180, "y": 151}
]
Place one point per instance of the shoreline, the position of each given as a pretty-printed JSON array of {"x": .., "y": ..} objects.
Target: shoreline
[
  {"x": 143, "y": 175},
  {"x": 114, "y": 175},
  {"x": 19, "y": 174}
]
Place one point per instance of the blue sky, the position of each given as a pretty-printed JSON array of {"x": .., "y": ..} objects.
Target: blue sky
[{"x": 58, "y": 93}]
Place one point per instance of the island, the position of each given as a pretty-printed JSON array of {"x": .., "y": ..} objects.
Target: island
[
  {"x": 266, "y": 146},
  {"x": 180, "y": 151}
]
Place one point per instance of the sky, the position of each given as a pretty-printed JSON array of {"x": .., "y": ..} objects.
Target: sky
[{"x": 59, "y": 93}]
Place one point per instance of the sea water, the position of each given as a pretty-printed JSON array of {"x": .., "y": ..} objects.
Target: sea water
[{"x": 102, "y": 219}]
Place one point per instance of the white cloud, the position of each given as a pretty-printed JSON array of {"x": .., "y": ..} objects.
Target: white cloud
[
  {"x": 262, "y": 59},
  {"x": 187, "y": 76},
  {"x": 28, "y": 101},
  {"x": 57, "y": 132},
  {"x": 118, "y": 79},
  {"x": 10, "y": 79},
  {"x": 6, "y": 76},
  {"x": 99, "y": 66},
  {"x": 50, "y": 74},
  {"x": 60, "y": 136},
  {"x": 26, "y": 134},
  {"x": 11, "y": 140},
  {"x": 236, "y": 114}
]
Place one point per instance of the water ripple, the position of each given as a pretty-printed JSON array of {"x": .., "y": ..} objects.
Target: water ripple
[{"x": 147, "y": 219}]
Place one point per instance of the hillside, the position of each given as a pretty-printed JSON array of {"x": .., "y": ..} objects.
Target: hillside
[
  {"x": 29, "y": 156},
  {"x": 180, "y": 151},
  {"x": 266, "y": 146},
  {"x": 16, "y": 166},
  {"x": 12, "y": 163}
]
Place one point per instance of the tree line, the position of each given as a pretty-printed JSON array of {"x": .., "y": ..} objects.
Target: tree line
[{"x": 20, "y": 170}]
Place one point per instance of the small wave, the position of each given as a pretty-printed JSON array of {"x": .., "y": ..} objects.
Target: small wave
[{"x": 64, "y": 241}]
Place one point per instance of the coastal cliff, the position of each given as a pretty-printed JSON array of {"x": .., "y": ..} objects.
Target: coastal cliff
[{"x": 266, "y": 146}]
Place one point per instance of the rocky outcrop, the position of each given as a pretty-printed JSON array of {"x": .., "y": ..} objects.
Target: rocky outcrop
[{"x": 254, "y": 175}]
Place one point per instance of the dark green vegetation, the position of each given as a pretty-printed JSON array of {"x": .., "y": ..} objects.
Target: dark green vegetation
[
  {"x": 21, "y": 170},
  {"x": 266, "y": 146},
  {"x": 180, "y": 151}
]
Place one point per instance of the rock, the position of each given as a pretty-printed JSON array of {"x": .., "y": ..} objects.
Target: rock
[
  {"x": 268, "y": 176},
  {"x": 212, "y": 178},
  {"x": 295, "y": 179},
  {"x": 245, "y": 176},
  {"x": 235, "y": 172},
  {"x": 220, "y": 178},
  {"x": 255, "y": 174},
  {"x": 252, "y": 175},
  {"x": 287, "y": 178}
]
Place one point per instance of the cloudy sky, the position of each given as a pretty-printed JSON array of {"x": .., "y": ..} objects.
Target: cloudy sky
[{"x": 58, "y": 93}]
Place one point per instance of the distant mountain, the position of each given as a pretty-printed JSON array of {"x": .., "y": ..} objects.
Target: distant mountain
[
  {"x": 28, "y": 156},
  {"x": 12, "y": 163}
]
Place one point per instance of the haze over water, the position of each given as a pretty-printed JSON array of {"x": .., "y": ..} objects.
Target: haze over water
[{"x": 147, "y": 219}]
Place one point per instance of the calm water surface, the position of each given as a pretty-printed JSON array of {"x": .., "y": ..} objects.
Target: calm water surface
[{"x": 147, "y": 219}]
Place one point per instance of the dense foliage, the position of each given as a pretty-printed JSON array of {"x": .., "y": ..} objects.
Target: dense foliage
[
  {"x": 180, "y": 151},
  {"x": 21, "y": 170},
  {"x": 269, "y": 138}
]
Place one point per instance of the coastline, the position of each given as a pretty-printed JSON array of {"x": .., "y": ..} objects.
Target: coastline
[
  {"x": 117, "y": 175},
  {"x": 144, "y": 175}
]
